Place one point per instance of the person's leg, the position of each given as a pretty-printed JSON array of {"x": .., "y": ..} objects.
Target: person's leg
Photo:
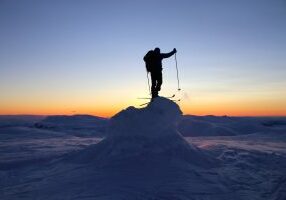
[
  {"x": 159, "y": 81},
  {"x": 153, "y": 86}
]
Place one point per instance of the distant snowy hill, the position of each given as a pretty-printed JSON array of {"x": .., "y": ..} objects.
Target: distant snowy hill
[
  {"x": 226, "y": 126},
  {"x": 80, "y": 125},
  {"x": 19, "y": 120},
  {"x": 73, "y": 120}
]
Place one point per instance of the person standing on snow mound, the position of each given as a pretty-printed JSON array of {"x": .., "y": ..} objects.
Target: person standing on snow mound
[{"x": 153, "y": 60}]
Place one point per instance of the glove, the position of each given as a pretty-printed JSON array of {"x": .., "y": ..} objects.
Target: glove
[{"x": 175, "y": 50}]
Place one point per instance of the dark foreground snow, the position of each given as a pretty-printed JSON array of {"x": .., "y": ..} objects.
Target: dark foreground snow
[{"x": 143, "y": 156}]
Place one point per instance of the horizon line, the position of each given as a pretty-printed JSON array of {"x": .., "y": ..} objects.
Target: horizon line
[{"x": 46, "y": 115}]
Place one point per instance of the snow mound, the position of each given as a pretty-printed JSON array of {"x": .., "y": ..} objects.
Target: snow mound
[
  {"x": 146, "y": 134},
  {"x": 152, "y": 121}
]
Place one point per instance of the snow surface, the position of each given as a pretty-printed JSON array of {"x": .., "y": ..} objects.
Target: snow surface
[{"x": 143, "y": 156}]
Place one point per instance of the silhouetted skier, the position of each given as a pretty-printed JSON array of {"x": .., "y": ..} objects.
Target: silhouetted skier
[{"x": 153, "y": 60}]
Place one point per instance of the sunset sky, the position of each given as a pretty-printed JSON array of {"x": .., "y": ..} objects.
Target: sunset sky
[{"x": 86, "y": 57}]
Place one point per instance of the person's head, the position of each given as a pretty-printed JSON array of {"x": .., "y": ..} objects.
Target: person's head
[{"x": 157, "y": 50}]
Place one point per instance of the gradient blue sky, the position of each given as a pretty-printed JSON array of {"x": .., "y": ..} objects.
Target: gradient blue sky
[{"x": 86, "y": 56}]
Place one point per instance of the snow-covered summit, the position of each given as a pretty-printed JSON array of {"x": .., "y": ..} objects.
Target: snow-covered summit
[
  {"x": 145, "y": 134},
  {"x": 154, "y": 120}
]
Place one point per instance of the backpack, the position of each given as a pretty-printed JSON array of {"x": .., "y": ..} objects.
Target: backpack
[{"x": 148, "y": 58}]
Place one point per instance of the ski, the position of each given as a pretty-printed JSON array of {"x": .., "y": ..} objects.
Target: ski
[
  {"x": 170, "y": 97},
  {"x": 144, "y": 104},
  {"x": 177, "y": 100},
  {"x": 174, "y": 100}
]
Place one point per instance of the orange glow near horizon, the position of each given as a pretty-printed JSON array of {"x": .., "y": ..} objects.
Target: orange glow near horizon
[
  {"x": 107, "y": 103},
  {"x": 108, "y": 109},
  {"x": 109, "y": 113},
  {"x": 38, "y": 109}
]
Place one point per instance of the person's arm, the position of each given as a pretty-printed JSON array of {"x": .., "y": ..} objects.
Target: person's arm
[{"x": 167, "y": 55}]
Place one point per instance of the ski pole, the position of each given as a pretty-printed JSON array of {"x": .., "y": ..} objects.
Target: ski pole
[
  {"x": 148, "y": 84},
  {"x": 177, "y": 73}
]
